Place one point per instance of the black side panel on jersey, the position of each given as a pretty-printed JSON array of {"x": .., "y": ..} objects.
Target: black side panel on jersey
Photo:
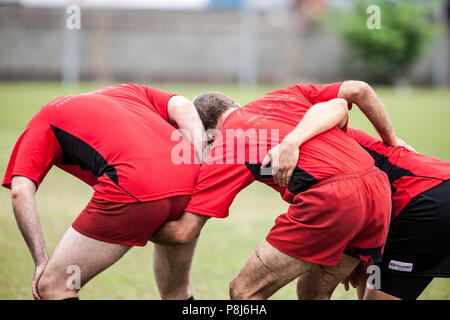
[
  {"x": 300, "y": 180},
  {"x": 394, "y": 172},
  {"x": 77, "y": 152},
  {"x": 255, "y": 169}
]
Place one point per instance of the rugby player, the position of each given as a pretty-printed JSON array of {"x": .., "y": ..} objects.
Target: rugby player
[
  {"x": 418, "y": 243},
  {"x": 119, "y": 140},
  {"x": 340, "y": 202}
]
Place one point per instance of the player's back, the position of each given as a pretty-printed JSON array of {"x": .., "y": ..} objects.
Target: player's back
[
  {"x": 410, "y": 173},
  {"x": 276, "y": 114},
  {"x": 118, "y": 130}
]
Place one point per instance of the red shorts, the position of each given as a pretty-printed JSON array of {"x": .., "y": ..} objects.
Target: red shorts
[
  {"x": 348, "y": 212},
  {"x": 128, "y": 223}
]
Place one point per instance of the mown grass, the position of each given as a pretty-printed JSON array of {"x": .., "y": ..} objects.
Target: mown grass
[{"x": 420, "y": 116}]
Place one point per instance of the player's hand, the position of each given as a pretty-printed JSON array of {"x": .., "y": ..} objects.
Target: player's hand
[
  {"x": 357, "y": 277},
  {"x": 346, "y": 284},
  {"x": 352, "y": 279},
  {"x": 284, "y": 158},
  {"x": 397, "y": 142},
  {"x": 37, "y": 276}
]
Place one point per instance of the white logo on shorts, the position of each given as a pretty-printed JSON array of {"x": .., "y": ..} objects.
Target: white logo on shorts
[{"x": 400, "y": 266}]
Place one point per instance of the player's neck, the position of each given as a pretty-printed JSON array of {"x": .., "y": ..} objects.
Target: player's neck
[{"x": 223, "y": 117}]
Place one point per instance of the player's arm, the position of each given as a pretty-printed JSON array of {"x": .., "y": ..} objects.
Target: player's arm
[
  {"x": 361, "y": 94},
  {"x": 182, "y": 112},
  {"x": 180, "y": 231},
  {"x": 318, "y": 119},
  {"x": 25, "y": 211}
]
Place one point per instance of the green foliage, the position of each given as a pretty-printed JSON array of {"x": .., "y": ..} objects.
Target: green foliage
[{"x": 384, "y": 54}]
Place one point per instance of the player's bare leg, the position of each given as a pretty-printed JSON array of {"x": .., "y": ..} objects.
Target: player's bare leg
[
  {"x": 266, "y": 271},
  {"x": 73, "y": 251},
  {"x": 171, "y": 268},
  {"x": 320, "y": 281},
  {"x": 315, "y": 285}
]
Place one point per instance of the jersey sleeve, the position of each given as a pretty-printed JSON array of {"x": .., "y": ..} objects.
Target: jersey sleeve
[
  {"x": 35, "y": 152},
  {"x": 159, "y": 100},
  {"x": 322, "y": 92}
]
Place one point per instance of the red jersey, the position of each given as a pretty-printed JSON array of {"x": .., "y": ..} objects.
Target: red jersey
[
  {"x": 409, "y": 173},
  {"x": 116, "y": 139},
  {"x": 249, "y": 132}
]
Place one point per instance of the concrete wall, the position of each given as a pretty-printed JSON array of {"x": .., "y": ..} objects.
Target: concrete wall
[{"x": 132, "y": 45}]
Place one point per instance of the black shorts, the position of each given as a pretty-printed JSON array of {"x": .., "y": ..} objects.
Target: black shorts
[{"x": 418, "y": 244}]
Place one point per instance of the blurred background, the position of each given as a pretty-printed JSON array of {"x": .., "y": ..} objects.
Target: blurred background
[
  {"x": 244, "y": 48},
  {"x": 237, "y": 41}
]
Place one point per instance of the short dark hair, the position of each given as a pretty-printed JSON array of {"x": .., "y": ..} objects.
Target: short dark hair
[{"x": 211, "y": 105}]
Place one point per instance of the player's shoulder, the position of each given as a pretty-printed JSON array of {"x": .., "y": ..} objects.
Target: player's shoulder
[
  {"x": 49, "y": 110},
  {"x": 122, "y": 87}
]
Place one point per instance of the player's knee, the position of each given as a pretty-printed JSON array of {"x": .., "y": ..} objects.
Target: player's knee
[
  {"x": 52, "y": 288},
  {"x": 233, "y": 290},
  {"x": 44, "y": 287},
  {"x": 237, "y": 291}
]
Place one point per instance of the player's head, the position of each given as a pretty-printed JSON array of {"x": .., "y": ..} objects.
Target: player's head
[{"x": 212, "y": 107}]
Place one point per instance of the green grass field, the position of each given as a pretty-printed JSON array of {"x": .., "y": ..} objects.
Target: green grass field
[{"x": 420, "y": 116}]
